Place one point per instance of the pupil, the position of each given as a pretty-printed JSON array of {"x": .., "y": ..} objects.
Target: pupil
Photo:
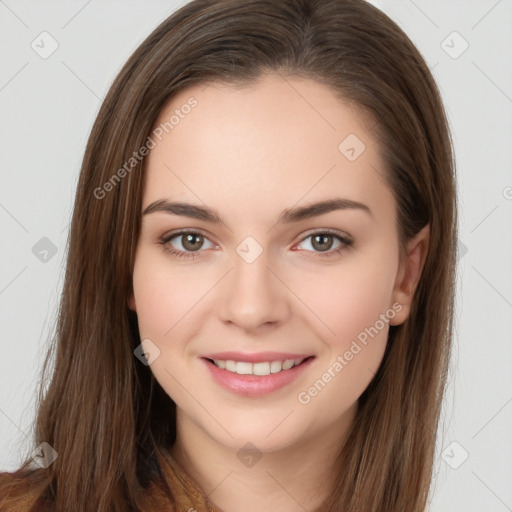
[
  {"x": 189, "y": 243},
  {"x": 323, "y": 242}
]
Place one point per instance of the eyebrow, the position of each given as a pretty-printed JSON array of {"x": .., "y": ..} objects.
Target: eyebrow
[{"x": 287, "y": 216}]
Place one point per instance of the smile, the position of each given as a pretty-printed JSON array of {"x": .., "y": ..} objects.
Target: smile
[
  {"x": 264, "y": 375},
  {"x": 263, "y": 368}
]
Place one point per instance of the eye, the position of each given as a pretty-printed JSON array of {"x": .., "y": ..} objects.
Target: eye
[
  {"x": 189, "y": 244},
  {"x": 185, "y": 243},
  {"x": 325, "y": 243}
]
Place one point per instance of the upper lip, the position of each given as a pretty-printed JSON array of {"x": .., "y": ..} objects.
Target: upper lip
[{"x": 259, "y": 357}]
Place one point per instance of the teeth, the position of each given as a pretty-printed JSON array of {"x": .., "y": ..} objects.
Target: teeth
[
  {"x": 230, "y": 366},
  {"x": 261, "y": 368},
  {"x": 265, "y": 368},
  {"x": 276, "y": 366},
  {"x": 243, "y": 368},
  {"x": 288, "y": 364}
]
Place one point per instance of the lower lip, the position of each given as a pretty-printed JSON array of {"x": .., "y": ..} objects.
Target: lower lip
[{"x": 254, "y": 385}]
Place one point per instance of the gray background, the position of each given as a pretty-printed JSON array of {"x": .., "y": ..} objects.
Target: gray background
[{"x": 47, "y": 109}]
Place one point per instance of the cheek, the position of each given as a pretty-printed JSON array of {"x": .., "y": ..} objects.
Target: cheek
[
  {"x": 165, "y": 297},
  {"x": 354, "y": 302},
  {"x": 164, "y": 294},
  {"x": 350, "y": 296}
]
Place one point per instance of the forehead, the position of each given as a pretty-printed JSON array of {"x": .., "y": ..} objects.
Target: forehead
[{"x": 277, "y": 140}]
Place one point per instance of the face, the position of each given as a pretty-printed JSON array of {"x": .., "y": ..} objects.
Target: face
[{"x": 268, "y": 240}]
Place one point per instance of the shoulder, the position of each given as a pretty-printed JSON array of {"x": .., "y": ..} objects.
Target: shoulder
[
  {"x": 18, "y": 492},
  {"x": 7, "y": 482}
]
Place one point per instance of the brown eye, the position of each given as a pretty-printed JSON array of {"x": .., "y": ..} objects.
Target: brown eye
[
  {"x": 322, "y": 242},
  {"x": 325, "y": 243},
  {"x": 186, "y": 243},
  {"x": 192, "y": 241}
]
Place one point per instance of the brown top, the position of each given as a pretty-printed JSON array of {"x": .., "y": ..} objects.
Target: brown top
[{"x": 186, "y": 495}]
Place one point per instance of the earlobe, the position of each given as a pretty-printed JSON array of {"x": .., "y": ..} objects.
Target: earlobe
[
  {"x": 131, "y": 302},
  {"x": 409, "y": 273}
]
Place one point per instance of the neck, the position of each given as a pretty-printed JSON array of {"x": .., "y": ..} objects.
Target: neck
[{"x": 292, "y": 479}]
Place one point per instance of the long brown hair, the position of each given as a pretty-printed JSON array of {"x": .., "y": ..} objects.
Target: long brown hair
[{"x": 103, "y": 412}]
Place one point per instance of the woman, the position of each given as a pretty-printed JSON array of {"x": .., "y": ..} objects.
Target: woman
[{"x": 258, "y": 300}]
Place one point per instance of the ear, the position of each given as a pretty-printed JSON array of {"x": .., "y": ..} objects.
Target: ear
[
  {"x": 409, "y": 273},
  {"x": 131, "y": 302}
]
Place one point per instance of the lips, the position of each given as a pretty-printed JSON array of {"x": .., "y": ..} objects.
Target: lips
[{"x": 255, "y": 374}]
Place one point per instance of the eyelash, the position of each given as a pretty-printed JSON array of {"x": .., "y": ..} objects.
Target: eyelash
[{"x": 164, "y": 242}]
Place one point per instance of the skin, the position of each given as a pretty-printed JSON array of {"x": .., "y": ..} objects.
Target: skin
[{"x": 250, "y": 153}]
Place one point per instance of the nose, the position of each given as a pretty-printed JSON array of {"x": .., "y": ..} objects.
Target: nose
[{"x": 253, "y": 297}]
